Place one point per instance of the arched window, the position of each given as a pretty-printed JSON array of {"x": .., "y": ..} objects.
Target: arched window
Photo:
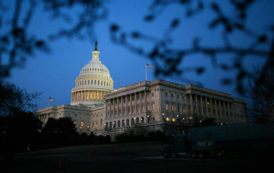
[
  {"x": 101, "y": 122},
  {"x": 132, "y": 121},
  {"x": 142, "y": 120},
  {"x": 119, "y": 123},
  {"x": 123, "y": 123},
  {"x": 127, "y": 124},
  {"x": 137, "y": 120}
]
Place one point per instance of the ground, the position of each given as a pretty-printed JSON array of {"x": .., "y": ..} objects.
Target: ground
[{"x": 131, "y": 157}]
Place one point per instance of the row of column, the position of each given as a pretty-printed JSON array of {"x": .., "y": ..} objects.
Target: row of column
[
  {"x": 125, "y": 122},
  {"x": 211, "y": 107},
  {"x": 119, "y": 103},
  {"x": 87, "y": 96}
]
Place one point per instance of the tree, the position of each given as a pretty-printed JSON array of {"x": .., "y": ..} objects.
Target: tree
[
  {"x": 14, "y": 100},
  {"x": 17, "y": 44},
  {"x": 261, "y": 93},
  {"x": 59, "y": 132},
  {"x": 168, "y": 61},
  {"x": 19, "y": 132}
]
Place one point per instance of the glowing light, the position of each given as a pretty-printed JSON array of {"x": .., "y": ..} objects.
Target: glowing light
[
  {"x": 201, "y": 121},
  {"x": 167, "y": 119},
  {"x": 173, "y": 120},
  {"x": 177, "y": 116}
]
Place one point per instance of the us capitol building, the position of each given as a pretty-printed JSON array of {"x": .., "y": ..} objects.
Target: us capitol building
[{"x": 151, "y": 105}]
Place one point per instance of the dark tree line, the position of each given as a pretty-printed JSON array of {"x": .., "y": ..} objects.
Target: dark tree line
[
  {"x": 262, "y": 93},
  {"x": 23, "y": 132}
]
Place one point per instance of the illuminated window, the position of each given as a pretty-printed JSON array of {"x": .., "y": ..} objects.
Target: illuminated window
[
  {"x": 82, "y": 116},
  {"x": 82, "y": 123},
  {"x": 153, "y": 107},
  {"x": 166, "y": 106},
  {"x": 173, "y": 108},
  {"x": 94, "y": 95},
  {"x": 86, "y": 95}
]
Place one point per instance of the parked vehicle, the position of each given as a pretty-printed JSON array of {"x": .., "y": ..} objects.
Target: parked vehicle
[{"x": 234, "y": 140}]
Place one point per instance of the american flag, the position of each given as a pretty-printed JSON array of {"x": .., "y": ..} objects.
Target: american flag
[
  {"x": 51, "y": 99},
  {"x": 149, "y": 66}
]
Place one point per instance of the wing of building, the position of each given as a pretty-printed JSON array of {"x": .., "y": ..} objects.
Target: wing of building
[{"x": 156, "y": 105}]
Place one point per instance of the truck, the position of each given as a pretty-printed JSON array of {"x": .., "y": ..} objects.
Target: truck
[{"x": 231, "y": 140}]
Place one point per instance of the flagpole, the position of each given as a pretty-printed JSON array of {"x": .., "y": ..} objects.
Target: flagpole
[{"x": 146, "y": 72}]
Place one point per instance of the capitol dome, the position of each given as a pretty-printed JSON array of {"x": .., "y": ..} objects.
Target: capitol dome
[{"x": 92, "y": 83}]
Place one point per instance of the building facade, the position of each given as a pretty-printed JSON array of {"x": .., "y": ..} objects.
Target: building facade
[
  {"x": 156, "y": 105},
  {"x": 167, "y": 106}
]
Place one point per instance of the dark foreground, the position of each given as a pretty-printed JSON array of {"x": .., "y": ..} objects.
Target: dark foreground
[{"x": 132, "y": 157}]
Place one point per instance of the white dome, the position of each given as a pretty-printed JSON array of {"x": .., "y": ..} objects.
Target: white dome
[{"x": 93, "y": 81}]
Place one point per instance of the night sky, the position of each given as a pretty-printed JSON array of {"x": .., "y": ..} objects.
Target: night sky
[{"x": 53, "y": 74}]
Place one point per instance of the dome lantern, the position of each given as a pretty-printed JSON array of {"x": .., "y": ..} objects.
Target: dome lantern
[{"x": 95, "y": 54}]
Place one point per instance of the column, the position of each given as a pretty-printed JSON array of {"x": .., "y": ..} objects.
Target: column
[
  {"x": 191, "y": 106},
  {"x": 216, "y": 109},
  {"x": 211, "y": 107},
  {"x": 202, "y": 105},
  {"x": 206, "y": 106},
  {"x": 196, "y": 102},
  {"x": 220, "y": 110}
]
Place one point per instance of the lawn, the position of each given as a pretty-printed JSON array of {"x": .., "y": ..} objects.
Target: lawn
[{"x": 131, "y": 157}]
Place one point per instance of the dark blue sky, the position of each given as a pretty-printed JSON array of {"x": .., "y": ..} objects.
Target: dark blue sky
[{"x": 53, "y": 74}]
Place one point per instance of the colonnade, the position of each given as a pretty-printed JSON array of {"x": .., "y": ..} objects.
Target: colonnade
[
  {"x": 87, "y": 96},
  {"x": 208, "y": 107},
  {"x": 129, "y": 104}
]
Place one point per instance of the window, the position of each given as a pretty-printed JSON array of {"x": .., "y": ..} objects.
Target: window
[
  {"x": 153, "y": 107},
  {"x": 82, "y": 124},
  {"x": 98, "y": 96},
  {"x": 86, "y": 95},
  {"x": 173, "y": 108},
  {"x": 94, "y": 95},
  {"x": 166, "y": 106}
]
